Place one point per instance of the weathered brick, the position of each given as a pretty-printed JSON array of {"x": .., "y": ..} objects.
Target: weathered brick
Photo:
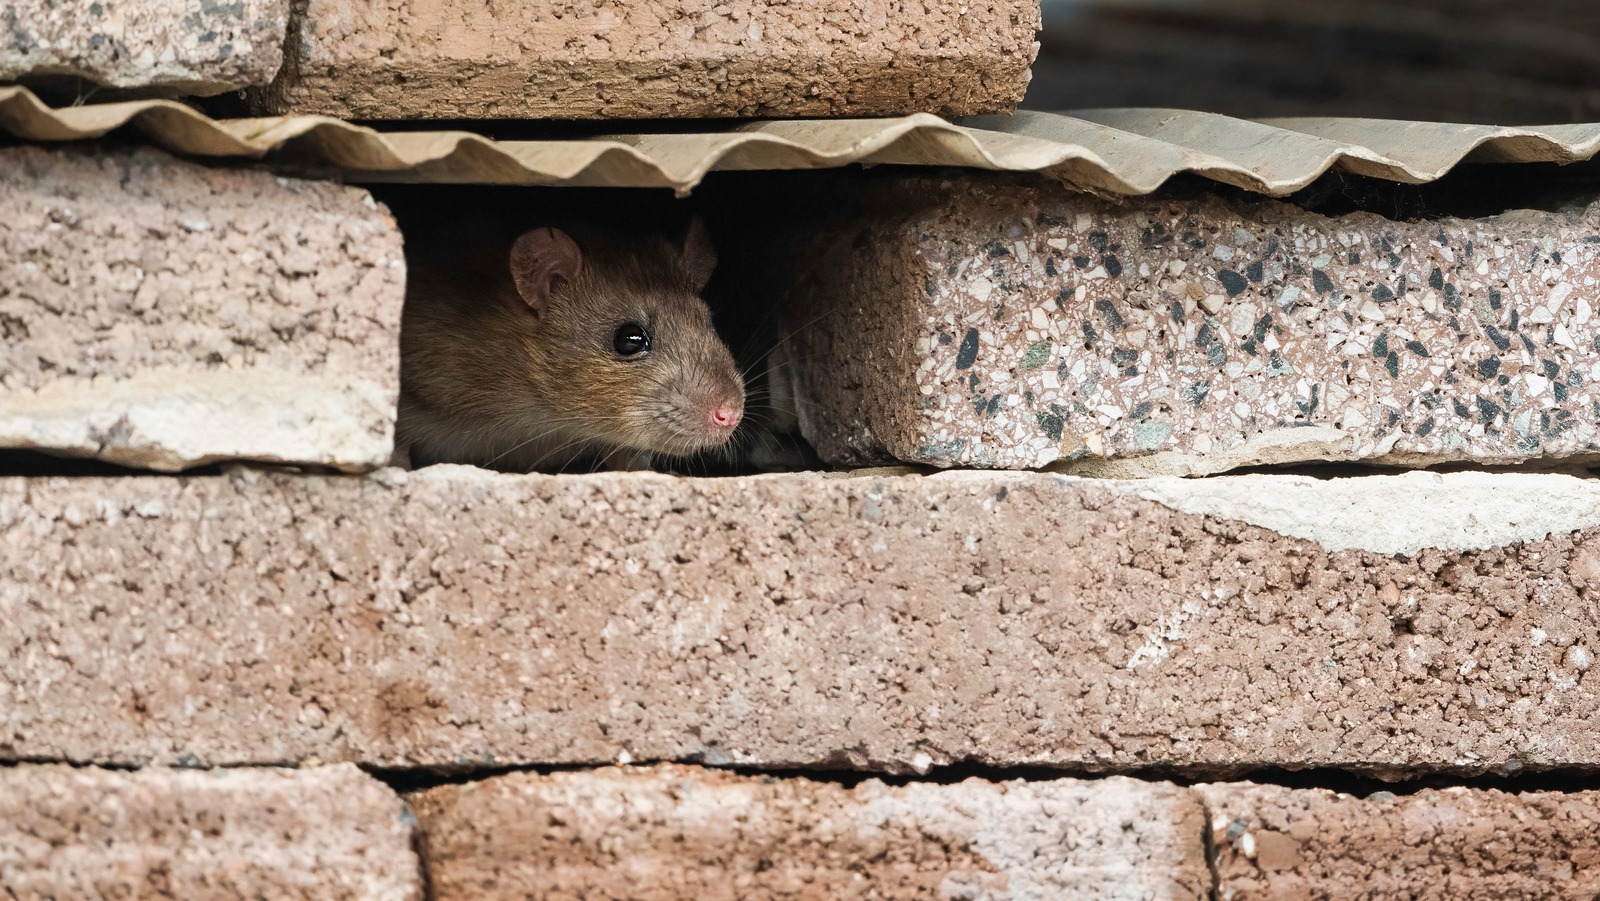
[
  {"x": 160, "y": 314},
  {"x": 383, "y": 59},
  {"x": 454, "y": 617},
  {"x": 185, "y": 48},
  {"x": 682, "y": 832},
  {"x": 1018, "y": 324},
  {"x": 1273, "y": 842},
  {"x": 331, "y": 832}
]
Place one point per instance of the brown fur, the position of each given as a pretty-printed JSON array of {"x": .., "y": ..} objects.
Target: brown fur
[{"x": 485, "y": 380}]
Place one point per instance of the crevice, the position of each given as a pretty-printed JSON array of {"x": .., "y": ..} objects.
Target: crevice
[
  {"x": 1563, "y": 780},
  {"x": 265, "y": 100},
  {"x": 8, "y": 763},
  {"x": 37, "y": 464},
  {"x": 1580, "y": 466},
  {"x": 408, "y": 780},
  {"x": 1469, "y": 191},
  {"x": 1208, "y": 847}
]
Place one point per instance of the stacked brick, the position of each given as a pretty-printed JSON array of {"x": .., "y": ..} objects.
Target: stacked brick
[
  {"x": 680, "y": 832},
  {"x": 163, "y": 315},
  {"x": 207, "y": 48},
  {"x": 1193, "y": 335},
  {"x": 1212, "y": 626},
  {"x": 207, "y": 678},
  {"x": 331, "y": 832},
  {"x": 379, "y": 59}
]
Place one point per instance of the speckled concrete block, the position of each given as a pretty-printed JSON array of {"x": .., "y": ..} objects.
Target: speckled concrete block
[
  {"x": 1273, "y": 842},
  {"x": 327, "y": 833},
  {"x": 385, "y": 59},
  {"x": 453, "y": 617},
  {"x": 160, "y": 314},
  {"x": 681, "y": 832},
  {"x": 192, "y": 48},
  {"x": 999, "y": 323}
]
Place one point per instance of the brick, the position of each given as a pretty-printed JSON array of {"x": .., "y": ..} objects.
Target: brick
[
  {"x": 161, "y": 314},
  {"x": 452, "y": 617},
  {"x": 384, "y": 59},
  {"x": 1003, "y": 323},
  {"x": 331, "y": 833},
  {"x": 176, "y": 47},
  {"x": 1273, "y": 842},
  {"x": 681, "y": 832}
]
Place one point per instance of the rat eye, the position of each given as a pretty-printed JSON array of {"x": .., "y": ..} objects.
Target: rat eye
[{"x": 631, "y": 340}]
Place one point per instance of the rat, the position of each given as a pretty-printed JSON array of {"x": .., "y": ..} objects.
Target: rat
[{"x": 576, "y": 350}]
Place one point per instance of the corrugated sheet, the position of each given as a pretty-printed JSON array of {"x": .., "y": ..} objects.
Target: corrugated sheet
[{"x": 1130, "y": 151}]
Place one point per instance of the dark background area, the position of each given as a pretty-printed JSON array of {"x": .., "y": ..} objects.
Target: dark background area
[{"x": 1506, "y": 62}]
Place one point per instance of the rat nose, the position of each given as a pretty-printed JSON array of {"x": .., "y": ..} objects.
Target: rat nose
[{"x": 725, "y": 416}]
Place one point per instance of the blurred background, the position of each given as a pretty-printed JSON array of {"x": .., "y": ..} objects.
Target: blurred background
[{"x": 1505, "y": 62}]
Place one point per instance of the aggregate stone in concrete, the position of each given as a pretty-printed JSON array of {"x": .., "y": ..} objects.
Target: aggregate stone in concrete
[
  {"x": 1000, "y": 323},
  {"x": 386, "y": 59},
  {"x": 190, "y": 48},
  {"x": 456, "y": 618},
  {"x": 325, "y": 833},
  {"x": 683, "y": 832},
  {"x": 160, "y": 314},
  {"x": 1272, "y": 842}
]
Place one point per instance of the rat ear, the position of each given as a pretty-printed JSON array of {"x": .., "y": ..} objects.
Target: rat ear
[
  {"x": 698, "y": 256},
  {"x": 541, "y": 262}
]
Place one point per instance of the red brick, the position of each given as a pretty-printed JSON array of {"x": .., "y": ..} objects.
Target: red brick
[
  {"x": 328, "y": 833},
  {"x": 383, "y": 59},
  {"x": 681, "y": 832},
  {"x": 163, "y": 315},
  {"x": 460, "y": 618},
  {"x": 1273, "y": 842}
]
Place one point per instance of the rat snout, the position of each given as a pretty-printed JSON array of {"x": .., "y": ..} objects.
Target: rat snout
[
  {"x": 696, "y": 417},
  {"x": 701, "y": 404},
  {"x": 726, "y": 415},
  {"x": 723, "y": 410}
]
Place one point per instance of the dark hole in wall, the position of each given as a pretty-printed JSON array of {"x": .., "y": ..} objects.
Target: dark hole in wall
[
  {"x": 70, "y": 90},
  {"x": 1469, "y": 191},
  {"x": 776, "y": 204},
  {"x": 746, "y": 315}
]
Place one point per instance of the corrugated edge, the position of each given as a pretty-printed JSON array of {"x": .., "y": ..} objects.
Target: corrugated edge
[{"x": 1131, "y": 151}]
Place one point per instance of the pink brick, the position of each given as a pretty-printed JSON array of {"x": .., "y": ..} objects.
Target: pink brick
[
  {"x": 681, "y": 832},
  {"x": 170, "y": 47},
  {"x": 327, "y": 833},
  {"x": 382, "y": 59},
  {"x": 459, "y": 618},
  {"x": 1276, "y": 842},
  {"x": 1006, "y": 323},
  {"x": 163, "y": 315}
]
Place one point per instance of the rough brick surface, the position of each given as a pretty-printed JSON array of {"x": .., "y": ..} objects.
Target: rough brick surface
[
  {"x": 1275, "y": 842},
  {"x": 681, "y": 832},
  {"x": 1009, "y": 324},
  {"x": 204, "y": 48},
  {"x": 385, "y": 59},
  {"x": 160, "y": 314},
  {"x": 455, "y": 617},
  {"x": 328, "y": 833}
]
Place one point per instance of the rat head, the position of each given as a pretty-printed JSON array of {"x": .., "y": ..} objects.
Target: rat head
[{"x": 624, "y": 350}]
